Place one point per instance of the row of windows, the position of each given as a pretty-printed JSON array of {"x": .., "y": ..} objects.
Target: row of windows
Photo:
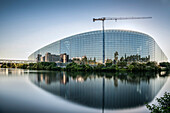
[{"x": 91, "y": 45}]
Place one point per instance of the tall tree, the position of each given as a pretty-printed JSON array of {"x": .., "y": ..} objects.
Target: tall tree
[
  {"x": 122, "y": 59},
  {"x": 116, "y": 55}
]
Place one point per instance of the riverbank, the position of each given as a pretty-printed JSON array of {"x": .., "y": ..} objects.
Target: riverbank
[{"x": 119, "y": 67}]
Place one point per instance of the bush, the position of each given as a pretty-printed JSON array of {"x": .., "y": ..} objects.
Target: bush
[
  {"x": 122, "y": 64},
  {"x": 71, "y": 67},
  {"x": 88, "y": 67},
  {"x": 152, "y": 65},
  {"x": 165, "y": 64},
  {"x": 163, "y": 104},
  {"x": 130, "y": 67},
  {"x": 100, "y": 66},
  {"x": 108, "y": 64}
]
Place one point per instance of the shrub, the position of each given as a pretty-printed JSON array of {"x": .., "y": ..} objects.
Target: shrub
[
  {"x": 130, "y": 67},
  {"x": 108, "y": 64},
  {"x": 163, "y": 104}
]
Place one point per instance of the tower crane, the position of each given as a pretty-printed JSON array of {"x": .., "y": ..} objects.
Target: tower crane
[{"x": 114, "y": 18}]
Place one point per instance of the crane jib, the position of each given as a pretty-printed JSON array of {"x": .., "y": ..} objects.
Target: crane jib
[{"x": 119, "y": 18}]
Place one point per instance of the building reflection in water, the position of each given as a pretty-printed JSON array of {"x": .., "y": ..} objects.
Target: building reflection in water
[
  {"x": 102, "y": 90},
  {"x": 13, "y": 71}
]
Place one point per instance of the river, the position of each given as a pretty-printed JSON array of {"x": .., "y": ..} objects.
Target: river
[{"x": 79, "y": 92}]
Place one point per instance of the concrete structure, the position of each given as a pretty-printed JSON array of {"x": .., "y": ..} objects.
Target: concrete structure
[
  {"x": 43, "y": 59},
  {"x": 47, "y": 57},
  {"x": 64, "y": 58},
  {"x": 55, "y": 58},
  {"x": 38, "y": 58}
]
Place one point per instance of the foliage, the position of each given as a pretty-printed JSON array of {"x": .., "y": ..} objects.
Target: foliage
[
  {"x": 116, "y": 56},
  {"x": 152, "y": 66},
  {"x": 36, "y": 66},
  {"x": 99, "y": 67},
  {"x": 44, "y": 66},
  {"x": 163, "y": 104},
  {"x": 75, "y": 67},
  {"x": 165, "y": 64},
  {"x": 84, "y": 60},
  {"x": 122, "y": 59},
  {"x": 130, "y": 67},
  {"x": 109, "y": 64},
  {"x": 134, "y": 58},
  {"x": 122, "y": 64}
]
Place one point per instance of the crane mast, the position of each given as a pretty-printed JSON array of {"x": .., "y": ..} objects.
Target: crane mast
[{"x": 114, "y": 18}]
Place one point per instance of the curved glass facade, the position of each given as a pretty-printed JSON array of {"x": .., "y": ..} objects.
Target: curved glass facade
[{"x": 90, "y": 44}]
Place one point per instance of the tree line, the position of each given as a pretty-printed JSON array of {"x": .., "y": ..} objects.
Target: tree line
[
  {"x": 33, "y": 66},
  {"x": 120, "y": 66}
]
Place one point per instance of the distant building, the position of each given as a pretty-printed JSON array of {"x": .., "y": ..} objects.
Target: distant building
[
  {"x": 64, "y": 58},
  {"x": 47, "y": 57},
  {"x": 64, "y": 79},
  {"x": 43, "y": 59},
  {"x": 38, "y": 59},
  {"x": 52, "y": 57},
  {"x": 55, "y": 58},
  {"x": 77, "y": 60}
]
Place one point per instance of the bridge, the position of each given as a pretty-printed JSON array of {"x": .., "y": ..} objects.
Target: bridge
[{"x": 16, "y": 61}]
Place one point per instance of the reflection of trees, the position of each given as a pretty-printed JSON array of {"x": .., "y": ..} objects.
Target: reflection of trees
[
  {"x": 98, "y": 89},
  {"x": 126, "y": 77},
  {"x": 132, "y": 78},
  {"x": 115, "y": 81},
  {"x": 82, "y": 75},
  {"x": 163, "y": 73},
  {"x": 135, "y": 78}
]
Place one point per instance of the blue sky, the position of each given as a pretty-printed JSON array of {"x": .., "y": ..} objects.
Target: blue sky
[{"x": 27, "y": 25}]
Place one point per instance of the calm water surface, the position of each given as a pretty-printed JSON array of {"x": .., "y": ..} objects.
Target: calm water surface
[{"x": 49, "y": 91}]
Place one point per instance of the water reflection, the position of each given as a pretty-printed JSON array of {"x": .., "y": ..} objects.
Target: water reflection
[
  {"x": 10, "y": 71},
  {"x": 102, "y": 90}
]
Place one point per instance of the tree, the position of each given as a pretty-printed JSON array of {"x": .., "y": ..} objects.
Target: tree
[
  {"x": 152, "y": 65},
  {"x": 130, "y": 67},
  {"x": 163, "y": 104},
  {"x": 94, "y": 59},
  {"x": 122, "y": 59},
  {"x": 108, "y": 62},
  {"x": 88, "y": 67},
  {"x": 165, "y": 64},
  {"x": 99, "y": 67},
  {"x": 84, "y": 60},
  {"x": 116, "y": 56},
  {"x": 122, "y": 64}
]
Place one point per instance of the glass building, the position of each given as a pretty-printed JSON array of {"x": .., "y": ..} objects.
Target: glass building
[{"x": 90, "y": 44}]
